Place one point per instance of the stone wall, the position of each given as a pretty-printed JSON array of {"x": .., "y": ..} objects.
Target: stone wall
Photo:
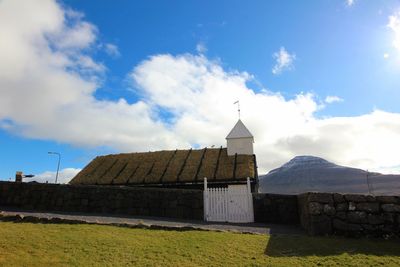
[
  {"x": 352, "y": 215},
  {"x": 271, "y": 208},
  {"x": 174, "y": 203}
]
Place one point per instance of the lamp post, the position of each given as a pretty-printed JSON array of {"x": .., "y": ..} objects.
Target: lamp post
[{"x": 58, "y": 165}]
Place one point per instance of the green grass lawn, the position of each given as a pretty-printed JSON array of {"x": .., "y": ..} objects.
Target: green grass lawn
[{"x": 26, "y": 244}]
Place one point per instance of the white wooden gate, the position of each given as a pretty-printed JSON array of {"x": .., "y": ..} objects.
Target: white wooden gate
[{"x": 232, "y": 204}]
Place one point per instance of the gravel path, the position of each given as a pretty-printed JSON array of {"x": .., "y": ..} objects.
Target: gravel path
[{"x": 156, "y": 222}]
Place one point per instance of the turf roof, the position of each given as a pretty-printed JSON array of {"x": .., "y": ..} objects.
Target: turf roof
[{"x": 168, "y": 167}]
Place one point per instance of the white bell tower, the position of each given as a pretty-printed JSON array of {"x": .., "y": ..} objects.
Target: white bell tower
[{"x": 240, "y": 140}]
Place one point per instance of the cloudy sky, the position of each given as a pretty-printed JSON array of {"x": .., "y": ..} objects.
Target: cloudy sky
[{"x": 86, "y": 79}]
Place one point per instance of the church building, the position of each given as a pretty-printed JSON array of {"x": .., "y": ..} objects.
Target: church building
[{"x": 178, "y": 168}]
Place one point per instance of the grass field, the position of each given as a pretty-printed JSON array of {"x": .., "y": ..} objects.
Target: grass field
[{"x": 26, "y": 244}]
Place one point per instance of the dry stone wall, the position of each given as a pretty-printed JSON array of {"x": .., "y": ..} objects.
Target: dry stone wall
[
  {"x": 318, "y": 213},
  {"x": 352, "y": 215},
  {"x": 273, "y": 208},
  {"x": 139, "y": 201},
  {"x": 173, "y": 203}
]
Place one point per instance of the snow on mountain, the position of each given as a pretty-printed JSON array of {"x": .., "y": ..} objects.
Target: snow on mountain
[{"x": 313, "y": 174}]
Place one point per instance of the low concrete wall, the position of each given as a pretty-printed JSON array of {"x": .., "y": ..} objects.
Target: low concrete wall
[
  {"x": 352, "y": 215},
  {"x": 174, "y": 203},
  {"x": 271, "y": 208}
]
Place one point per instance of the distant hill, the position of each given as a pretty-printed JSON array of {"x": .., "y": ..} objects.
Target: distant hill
[{"x": 308, "y": 173}]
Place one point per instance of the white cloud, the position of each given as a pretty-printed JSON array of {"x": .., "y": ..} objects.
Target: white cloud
[
  {"x": 79, "y": 36},
  {"x": 284, "y": 61},
  {"x": 201, "y": 48},
  {"x": 64, "y": 176},
  {"x": 48, "y": 78},
  {"x": 112, "y": 50},
  {"x": 203, "y": 114},
  {"x": 394, "y": 25},
  {"x": 46, "y": 93},
  {"x": 332, "y": 99},
  {"x": 350, "y": 2}
]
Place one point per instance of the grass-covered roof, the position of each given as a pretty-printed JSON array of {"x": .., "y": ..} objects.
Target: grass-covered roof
[{"x": 168, "y": 167}]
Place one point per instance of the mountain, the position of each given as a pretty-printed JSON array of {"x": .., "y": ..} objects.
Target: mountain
[{"x": 312, "y": 174}]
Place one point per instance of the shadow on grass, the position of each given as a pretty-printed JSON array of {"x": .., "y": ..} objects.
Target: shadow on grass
[{"x": 301, "y": 245}]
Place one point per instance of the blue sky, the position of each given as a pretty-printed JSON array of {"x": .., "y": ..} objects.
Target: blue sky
[{"x": 338, "y": 49}]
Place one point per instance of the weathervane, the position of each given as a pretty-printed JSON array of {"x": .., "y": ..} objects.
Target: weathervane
[{"x": 238, "y": 104}]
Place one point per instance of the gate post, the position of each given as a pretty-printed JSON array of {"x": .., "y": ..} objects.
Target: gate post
[
  {"x": 248, "y": 186},
  {"x": 250, "y": 200},
  {"x": 205, "y": 199}
]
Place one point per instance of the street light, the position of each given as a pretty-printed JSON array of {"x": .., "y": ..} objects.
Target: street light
[{"x": 59, "y": 159}]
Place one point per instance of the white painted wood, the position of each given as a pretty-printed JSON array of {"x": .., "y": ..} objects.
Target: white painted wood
[
  {"x": 205, "y": 199},
  {"x": 239, "y": 131},
  {"x": 240, "y": 140},
  {"x": 250, "y": 199},
  {"x": 232, "y": 204},
  {"x": 240, "y": 146}
]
